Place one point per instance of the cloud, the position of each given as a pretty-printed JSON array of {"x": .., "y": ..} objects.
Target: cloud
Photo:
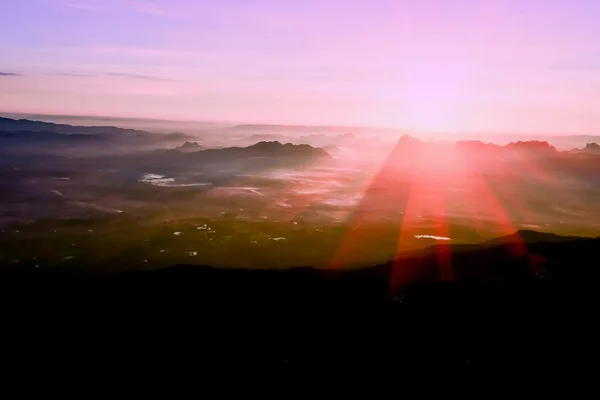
[
  {"x": 117, "y": 74},
  {"x": 157, "y": 52},
  {"x": 78, "y": 5},
  {"x": 9, "y": 74},
  {"x": 134, "y": 51},
  {"x": 143, "y": 77},
  {"x": 73, "y": 74}
]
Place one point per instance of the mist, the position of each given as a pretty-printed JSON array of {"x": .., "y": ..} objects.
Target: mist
[{"x": 356, "y": 197}]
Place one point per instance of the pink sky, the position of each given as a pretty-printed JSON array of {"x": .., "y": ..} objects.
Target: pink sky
[{"x": 446, "y": 65}]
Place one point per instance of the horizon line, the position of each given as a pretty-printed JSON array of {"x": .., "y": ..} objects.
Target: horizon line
[{"x": 316, "y": 126}]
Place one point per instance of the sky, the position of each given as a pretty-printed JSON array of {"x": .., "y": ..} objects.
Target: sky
[{"x": 441, "y": 65}]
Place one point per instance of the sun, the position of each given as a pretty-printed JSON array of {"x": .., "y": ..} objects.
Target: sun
[{"x": 431, "y": 100}]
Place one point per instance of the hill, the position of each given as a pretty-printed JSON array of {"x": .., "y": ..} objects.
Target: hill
[
  {"x": 8, "y": 124},
  {"x": 302, "y": 318},
  {"x": 592, "y": 148},
  {"x": 188, "y": 147},
  {"x": 36, "y": 137}
]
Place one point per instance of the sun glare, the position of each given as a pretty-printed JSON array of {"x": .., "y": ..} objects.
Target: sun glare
[{"x": 431, "y": 98}]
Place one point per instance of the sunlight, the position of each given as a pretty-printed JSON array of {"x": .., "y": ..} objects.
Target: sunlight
[
  {"x": 431, "y": 97},
  {"x": 430, "y": 114}
]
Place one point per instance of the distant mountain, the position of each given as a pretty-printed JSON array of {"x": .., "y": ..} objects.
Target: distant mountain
[
  {"x": 36, "y": 137},
  {"x": 476, "y": 146},
  {"x": 591, "y": 148},
  {"x": 521, "y": 159},
  {"x": 409, "y": 147},
  {"x": 225, "y": 161},
  {"x": 409, "y": 142},
  {"x": 263, "y": 150},
  {"x": 49, "y": 136},
  {"x": 332, "y": 150},
  {"x": 188, "y": 147},
  {"x": 273, "y": 149},
  {"x": 532, "y": 146},
  {"x": 8, "y": 124}
]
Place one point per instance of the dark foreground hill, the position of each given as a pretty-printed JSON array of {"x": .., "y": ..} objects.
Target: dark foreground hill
[{"x": 503, "y": 309}]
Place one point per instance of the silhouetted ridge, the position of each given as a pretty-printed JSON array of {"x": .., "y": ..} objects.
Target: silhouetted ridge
[
  {"x": 8, "y": 124},
  {"x": 50, "y": 136},
  {"x": 331, "y": 149},
  {"x": 189, "y": 147},
  {"x": 531, "y": 146},
  {"x": 407, "y": 144},
  {"x": 500, "y": 313},
  {"x": 590, "y": 148},
  {"x": 275, "y": 148},
  {"x": 406, "y": 140},
  {"x": 529, "y": 236},
  {"x": 476, "y": 145},
  {"x": 347, "y": 136}
]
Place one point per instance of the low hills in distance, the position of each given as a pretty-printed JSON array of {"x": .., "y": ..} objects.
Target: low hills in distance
[
  {"x": 222, "y": 161},
  {"x": 13, "y": 132},
  {"x": 188, "y": 147},
  {"x": 28, "y": 137},
  {"x": 260, "y": 150},
  {"x": 8, "y": 124},
  {"x": 589, "y": 148},
  {"x": 529, "y": 146}
]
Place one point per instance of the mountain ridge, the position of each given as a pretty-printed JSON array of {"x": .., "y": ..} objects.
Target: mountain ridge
[
  {"x": 9, "y": 124},
  {"x": 524, "y": 318}
]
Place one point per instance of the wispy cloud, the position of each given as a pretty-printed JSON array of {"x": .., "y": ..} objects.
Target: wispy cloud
[
  {"x": 146, "y": 7},
  {"x": 114, "y": 74},
  {"x": 143, "y": 77},
  {"x": 135, "y": 51},
  {"x": 149, "y": 51},
  {"x": 9, "y": 74},
  {"x": 72, "y": 74},
  {"x": 79, "y": 4},
  {"x": 139, "y": 6}
]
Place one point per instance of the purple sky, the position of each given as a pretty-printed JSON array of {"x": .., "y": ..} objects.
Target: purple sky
[{"x": 508, "y": 65}]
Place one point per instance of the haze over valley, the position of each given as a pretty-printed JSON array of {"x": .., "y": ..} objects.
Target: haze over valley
[{"x": 233, "y": 196}]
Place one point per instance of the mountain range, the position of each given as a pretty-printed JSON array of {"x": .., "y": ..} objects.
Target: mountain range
[
  {"x": 188, "y": 147},
  {"x": 228, "y": 160},
  {"x": 8, "y": 124},
  {"x": 29, "y": 137}
]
